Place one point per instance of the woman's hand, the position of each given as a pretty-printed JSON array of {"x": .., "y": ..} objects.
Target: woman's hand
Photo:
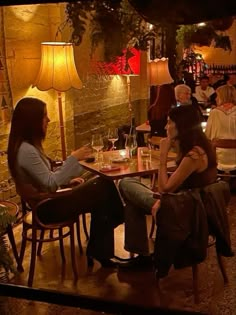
[
  {"x": 82, "y": 153},
  {"x": 165, "y": 145}
]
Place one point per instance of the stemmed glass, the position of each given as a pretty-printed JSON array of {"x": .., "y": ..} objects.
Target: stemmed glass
[
  {"x": 97, "y": 144},
  {"x": 131, "y": 144},
  {"x": 113, "y": 136}
]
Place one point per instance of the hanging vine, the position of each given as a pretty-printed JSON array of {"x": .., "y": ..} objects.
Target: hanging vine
[
  {"x": 211, "y": 34},
  {"x": 113, "y": 22}
]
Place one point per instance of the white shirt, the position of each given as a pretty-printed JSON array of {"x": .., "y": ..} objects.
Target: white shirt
[
  {"x": 203, "y": 95},
  {"x": 222, "y": 124}
]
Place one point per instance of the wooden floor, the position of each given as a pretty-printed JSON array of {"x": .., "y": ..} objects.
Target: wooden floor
[{"x": 133, "y": 287}]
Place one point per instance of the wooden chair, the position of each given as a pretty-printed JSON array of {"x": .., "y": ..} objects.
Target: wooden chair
[
  {"x": 225, "y": 144},
  {"x": 195, "y": 270},
  {"x": 32, "y": 221},
  {"x": 26, "y": 208},
  {"x": 74, "y": 182},
  {"x": 211, "y": 242},
  {"x": 13, "y": 209}
]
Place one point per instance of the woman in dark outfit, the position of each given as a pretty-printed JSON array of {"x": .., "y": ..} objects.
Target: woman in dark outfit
[{"x": 196, "y": 167}]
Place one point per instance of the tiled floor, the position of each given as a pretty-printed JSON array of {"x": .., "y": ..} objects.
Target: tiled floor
[{"x": 133, "y": 287}]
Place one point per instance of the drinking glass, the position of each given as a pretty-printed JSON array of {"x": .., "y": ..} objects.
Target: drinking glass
[
  {"x": 97, "y": 144},
  {"x": 131, "y": 144},
  {"x": 113, "y": 136}
]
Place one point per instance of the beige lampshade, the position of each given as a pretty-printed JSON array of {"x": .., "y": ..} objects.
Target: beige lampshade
[
  {"x": 57, "y": 70},
  {"x": 158, "y": 72}
]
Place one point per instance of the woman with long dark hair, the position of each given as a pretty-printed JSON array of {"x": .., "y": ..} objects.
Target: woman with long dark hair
[
  {"x": 196, "y": 167},
  {"x": 31, "y": 171}
]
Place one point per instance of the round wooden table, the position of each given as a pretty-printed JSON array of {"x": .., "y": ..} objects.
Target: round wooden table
[{"x": 12, "y": 207}]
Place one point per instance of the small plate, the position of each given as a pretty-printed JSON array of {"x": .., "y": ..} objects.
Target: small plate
[
  {"x": 109, "y": 168},
  {"x": 120, "y": 160}
]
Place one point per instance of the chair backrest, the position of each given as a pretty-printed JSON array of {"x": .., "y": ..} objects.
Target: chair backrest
[{"x": 224, "y": 143}]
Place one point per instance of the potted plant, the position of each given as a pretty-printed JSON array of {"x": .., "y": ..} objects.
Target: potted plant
[{"x": 6, "y": 262}]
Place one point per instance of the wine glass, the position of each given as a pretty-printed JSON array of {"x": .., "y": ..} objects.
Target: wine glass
[
  {"x": 113, "y": 136},
  {"x": 97, "y": 143},
  {"x": 131, "y": 144}
]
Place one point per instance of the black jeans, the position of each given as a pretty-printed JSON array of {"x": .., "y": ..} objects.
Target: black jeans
[{"x": 99, "y": 197}]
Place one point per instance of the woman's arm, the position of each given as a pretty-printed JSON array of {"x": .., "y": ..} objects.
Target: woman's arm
[
  {"x": 188, "y": 165},
  {"x": 30, "y": 160},
  {"x": 183, "y": 171}
]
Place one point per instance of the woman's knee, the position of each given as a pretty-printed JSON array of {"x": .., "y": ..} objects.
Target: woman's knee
[
  {"x": 127, "y": 182},
  {"x": 128, "y": 187},
  {"x": 124, "y": 185}
]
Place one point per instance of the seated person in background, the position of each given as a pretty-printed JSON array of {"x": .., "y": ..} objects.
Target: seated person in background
[
  {"x": 221, "y": 124},
  {"x": 196, "y": 167},
  {"x": 183, "y": 96},
  {"x": 203, "y": 91},
  {"x": 30, "y": 169},
  {"x": 229, "y": 79},
  {"x": 158, "y": 111}
]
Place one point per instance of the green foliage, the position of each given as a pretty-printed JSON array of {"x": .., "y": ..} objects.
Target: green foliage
[
  {"x": 5, "y": 260},
  {"x": 113, "y": 22},
  {"x": 185, "y": 33},
  {"x": 203, "y": 36},
  {"x": 5, "y": 218}
]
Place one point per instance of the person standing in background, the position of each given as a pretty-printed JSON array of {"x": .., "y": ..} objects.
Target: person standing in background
[{"x": 158, "y": 111}]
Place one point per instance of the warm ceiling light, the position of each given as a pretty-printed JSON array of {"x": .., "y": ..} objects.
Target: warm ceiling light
[{"x": 201, "y": 24}]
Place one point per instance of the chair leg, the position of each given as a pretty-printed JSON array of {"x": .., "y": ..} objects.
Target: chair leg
[
  {"x": 33, "y": 258},
  {"x": 51, "y": 233},
  {"x": 195, "y": 283},
  {"x": 63, "y": 258},
  {"x": 14, "y": 249},
  {"x": 78, "y": 236},
  {"x": 23, "y": 244},
  {"x": 40, "y": 245},
  {"x": 85, "y": 226},
  {"x": 152, "y": 228},
  {"x": 72, "y": 250},
  {"x": 222, "y": 268}
]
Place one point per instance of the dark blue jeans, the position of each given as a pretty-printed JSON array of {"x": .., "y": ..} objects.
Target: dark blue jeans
[{"x": 99, "y": 197}]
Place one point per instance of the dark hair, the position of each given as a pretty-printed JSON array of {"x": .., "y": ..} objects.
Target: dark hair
[
  {"x": 190, "y": 133},
  {"x": 226, "y": 78},
  {"x": 204, "y": 77},
  {"x": 26, "y": 125}
]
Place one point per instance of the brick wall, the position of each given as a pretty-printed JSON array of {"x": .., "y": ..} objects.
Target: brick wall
[{"x": 102, "y": 102}]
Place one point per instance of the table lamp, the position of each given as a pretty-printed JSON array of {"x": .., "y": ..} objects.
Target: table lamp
[{"x": 58, "y": 71}]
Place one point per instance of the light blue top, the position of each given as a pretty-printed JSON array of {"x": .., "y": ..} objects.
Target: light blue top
[{"x": 34, "y": 168}]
